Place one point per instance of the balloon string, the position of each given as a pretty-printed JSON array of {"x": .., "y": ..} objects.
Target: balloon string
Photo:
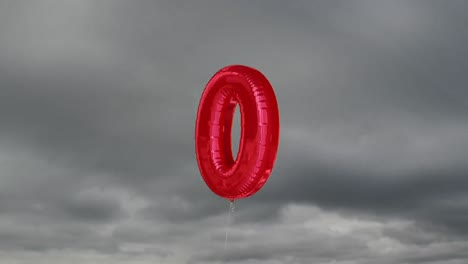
[{"x": 230, "y": 215}]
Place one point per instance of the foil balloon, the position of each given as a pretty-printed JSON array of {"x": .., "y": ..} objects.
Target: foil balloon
[{"x": 247, "y": 87}]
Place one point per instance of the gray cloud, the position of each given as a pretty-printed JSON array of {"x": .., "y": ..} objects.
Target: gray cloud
[{"x": 97, "y": 112}]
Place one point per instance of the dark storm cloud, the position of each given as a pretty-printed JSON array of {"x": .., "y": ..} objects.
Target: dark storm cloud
[
  {"x": 103, "y": 96},
  {"x": 301, "y": 251},
  {"x": 362, "y": 190},
  {"x": 91, "y": 209},
  {"x": 181, "y": 211},
  {"x": 54, "y": 238},
  {"x": 74, "y": 117},
  {"x": 177, "y": 209},
  {"x": 316, "y": 247},
  {"x": 80, "y": 210}
]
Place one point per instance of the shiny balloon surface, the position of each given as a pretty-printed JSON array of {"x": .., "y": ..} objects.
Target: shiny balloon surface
[{"x": 241, "y": 177}]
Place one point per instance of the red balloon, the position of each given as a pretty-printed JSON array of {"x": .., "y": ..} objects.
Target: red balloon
[{"x": 244, "y": 176}]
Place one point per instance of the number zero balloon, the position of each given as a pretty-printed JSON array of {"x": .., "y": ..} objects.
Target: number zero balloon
[{"x": 247, "y": 87}]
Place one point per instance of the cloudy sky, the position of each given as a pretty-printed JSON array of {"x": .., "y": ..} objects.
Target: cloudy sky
[{"x": 97, "y": 112}]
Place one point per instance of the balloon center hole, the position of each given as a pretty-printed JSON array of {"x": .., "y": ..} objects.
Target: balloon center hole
[{"x": 236, "y": 132}]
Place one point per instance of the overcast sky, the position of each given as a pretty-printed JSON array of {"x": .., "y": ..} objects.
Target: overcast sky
[{"x": 97, "y": 113}]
